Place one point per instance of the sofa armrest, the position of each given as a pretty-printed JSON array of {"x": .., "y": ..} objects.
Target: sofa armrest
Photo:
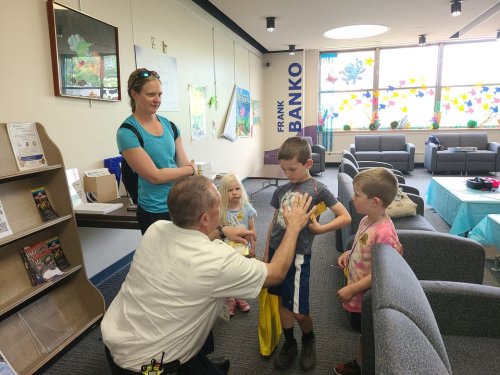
[
  {"x": 495, "y": 147},
  {"x": 430, "y": 157},
  {"x": 321, "y": 150},
  {"x": 410, "y": 148},
  {"x": 463, "y": 309},
  {"x": 419, "y": 201},
  {"x": 352, "y": 149}
]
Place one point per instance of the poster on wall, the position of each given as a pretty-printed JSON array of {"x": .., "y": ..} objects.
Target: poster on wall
[
  {"x": 198, "y": 117},
  {"x": 166, "y": 67},
  {"x": 256, "y": 110},
  {"x": 242, "y": 112},
  {"x": 229, "y": 131}
]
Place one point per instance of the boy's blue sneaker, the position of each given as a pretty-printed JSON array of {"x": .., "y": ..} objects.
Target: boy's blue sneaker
[{"x": 286, "y": 356}]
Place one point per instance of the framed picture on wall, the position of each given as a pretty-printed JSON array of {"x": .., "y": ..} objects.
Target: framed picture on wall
[{"x": 84, "y": 50}]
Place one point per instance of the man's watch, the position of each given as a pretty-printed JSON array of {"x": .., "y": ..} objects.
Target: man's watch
[{"x": 221, "y": 233}]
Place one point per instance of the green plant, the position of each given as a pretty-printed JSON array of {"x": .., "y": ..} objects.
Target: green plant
[
  {"x": 373, "y": 126},
  {"x": 394, "y": 124},
  {"x": 347, "y": 127},
  {"x": 435, "y": 125},
  {"x": 471, "y": 124}
]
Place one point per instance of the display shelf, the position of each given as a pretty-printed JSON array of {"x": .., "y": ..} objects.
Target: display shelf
[{"x": 38, "y": 322}]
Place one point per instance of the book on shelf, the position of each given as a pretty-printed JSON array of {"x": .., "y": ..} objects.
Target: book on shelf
[
  {"x": 4, "y": 224},
  {"x": 40, "y": 263},
  {"x": 57, "y": 252},
  {"x": 26, "y": 145},
  {"x": 5, "y": 366},
  {"x": 42, "y": 202}
]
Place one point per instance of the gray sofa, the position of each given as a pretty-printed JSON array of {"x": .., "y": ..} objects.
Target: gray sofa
[
  {"x": 428, "y": 327},
  {"x": 344, "y": 237},
  {"x": 387, "y": 148},
  {"x": 485, "y": 159}
]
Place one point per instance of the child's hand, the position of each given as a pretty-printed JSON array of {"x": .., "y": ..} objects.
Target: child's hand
[
  {"x": 343, "y": 260},
  {"x": 315, "y": 227},
  {"x": 345, "y": 294}
]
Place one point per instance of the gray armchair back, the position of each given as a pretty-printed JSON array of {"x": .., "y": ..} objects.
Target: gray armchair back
[{"x": 318, "y": 156}]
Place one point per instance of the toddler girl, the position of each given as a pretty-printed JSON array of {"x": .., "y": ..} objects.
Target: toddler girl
[{"x": 236, "y": 210}]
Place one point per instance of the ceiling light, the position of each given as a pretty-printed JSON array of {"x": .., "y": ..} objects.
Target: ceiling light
[
  {"x": 422, "y": 40},
  {"x": 270, "y": 24},
  {"x": 291, "y": 49},
  {"x": 355, "y": 31},
  {"x": 456, "y": 7}
]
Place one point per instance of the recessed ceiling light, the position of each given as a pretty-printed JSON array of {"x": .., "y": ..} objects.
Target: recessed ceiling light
[{"x": 356, "y": 31}]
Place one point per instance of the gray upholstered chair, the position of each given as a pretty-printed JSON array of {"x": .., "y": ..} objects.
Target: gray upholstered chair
[
  {"x": 347, "y": 166},
  {"x": 318, "y": 156},
  {"x": 388, "y": 148},
  {"x": 427, "y": 327}
]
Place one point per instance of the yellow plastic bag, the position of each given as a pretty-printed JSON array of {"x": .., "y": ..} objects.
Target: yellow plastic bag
[{"x": 269, "y": 322}]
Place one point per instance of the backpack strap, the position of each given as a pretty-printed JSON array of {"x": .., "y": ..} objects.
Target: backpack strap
[
  {"x": 139, "y": 137},
  {"x": 134, "y": 130}
]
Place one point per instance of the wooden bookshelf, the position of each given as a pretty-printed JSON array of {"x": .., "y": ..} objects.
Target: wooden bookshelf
[{"x": 38, "y": 322}]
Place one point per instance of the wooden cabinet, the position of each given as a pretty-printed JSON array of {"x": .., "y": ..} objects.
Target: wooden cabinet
[{"x": 37, "y": 322}]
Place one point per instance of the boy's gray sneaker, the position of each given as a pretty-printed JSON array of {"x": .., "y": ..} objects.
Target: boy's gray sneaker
[
  {"x": 286, "y": 356},
  {"x": 308, "y": 355}
]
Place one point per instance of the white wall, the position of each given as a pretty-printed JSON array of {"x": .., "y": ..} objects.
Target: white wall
[{"x": 84, "y": 130}]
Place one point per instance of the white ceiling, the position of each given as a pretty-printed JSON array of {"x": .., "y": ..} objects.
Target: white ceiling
[{"x": 302, "y": 22}]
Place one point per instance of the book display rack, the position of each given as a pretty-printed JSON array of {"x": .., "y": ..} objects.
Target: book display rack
[{"x": 37, "y": 322}]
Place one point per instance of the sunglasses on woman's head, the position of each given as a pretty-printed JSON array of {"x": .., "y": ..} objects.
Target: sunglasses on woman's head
[{"x": 146, "y": 74}]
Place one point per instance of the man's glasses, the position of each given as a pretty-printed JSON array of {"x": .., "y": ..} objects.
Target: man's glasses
[{"x": 145, "y": 74}]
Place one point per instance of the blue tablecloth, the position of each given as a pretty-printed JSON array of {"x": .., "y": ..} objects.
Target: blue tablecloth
[
  {"x": 487, "y": 231},
  {"x": 461, "y": 207}
]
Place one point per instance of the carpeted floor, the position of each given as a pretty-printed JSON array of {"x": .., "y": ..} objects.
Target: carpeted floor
[{"x": 238, "y": 340}]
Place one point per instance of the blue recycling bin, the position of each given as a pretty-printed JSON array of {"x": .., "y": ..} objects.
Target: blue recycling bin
[{"x": 113, "y": 165}]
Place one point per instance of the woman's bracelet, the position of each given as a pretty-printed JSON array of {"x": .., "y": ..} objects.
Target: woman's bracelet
[{"x": 194, "y": 170}]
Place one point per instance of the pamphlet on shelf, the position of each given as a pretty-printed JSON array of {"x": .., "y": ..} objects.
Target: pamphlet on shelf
[
  {"x": 97, "y": 208},
  {"x": 26, "y": 145},
  {"x": 57, "y": 252},
  {"x": 4, "y": 224},
  {"x": 5, "y": 366},
  {"x": 43, "y": 204},
  {"x": 41, "y": 262}
]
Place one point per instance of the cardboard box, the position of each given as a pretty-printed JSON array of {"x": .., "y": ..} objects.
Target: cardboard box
[{"x": 103, "y": 188}]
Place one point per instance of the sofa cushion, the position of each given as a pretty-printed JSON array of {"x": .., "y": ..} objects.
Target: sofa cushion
[
  {"x": 396, "y": 287},
  {"x": 448, "y": 140},
  {"x": 367, "y": 143},
  {"x": 479, "y": 140},
  {"x": 463, "y": 360},
  {"x": 368, "y": 156},
  {"x": 480, "y": 156},
  {"x": 395, "y": 156},
  {"x": 392, "y": 142},
  {"x": 448, "y": 156},
  {"x": 397, "y": 339}
]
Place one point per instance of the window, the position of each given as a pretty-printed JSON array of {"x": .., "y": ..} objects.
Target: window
[{"x": 407, "y": 91}]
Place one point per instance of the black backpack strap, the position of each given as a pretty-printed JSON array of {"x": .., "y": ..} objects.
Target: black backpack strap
[
  {"x": 174, "y": 129},
  {"x": 134, "y": 130}
]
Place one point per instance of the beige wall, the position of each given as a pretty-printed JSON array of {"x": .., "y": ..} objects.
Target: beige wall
[{"x": 85, "y": 130}]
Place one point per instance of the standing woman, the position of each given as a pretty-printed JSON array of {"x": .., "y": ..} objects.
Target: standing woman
[{"x": 163, "y": 159}]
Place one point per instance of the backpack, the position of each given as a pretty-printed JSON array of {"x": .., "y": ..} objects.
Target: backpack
[
  {"x": 434, "y": 139},
  {"x": 129, "y": 177}
]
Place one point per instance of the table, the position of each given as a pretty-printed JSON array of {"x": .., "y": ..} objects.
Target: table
[
  {"x": 120, "y": 218},
  {"x": 487, "y": 233},
  {"x": 461, "y": 207},
  {"x": 272, "y": 173}
]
